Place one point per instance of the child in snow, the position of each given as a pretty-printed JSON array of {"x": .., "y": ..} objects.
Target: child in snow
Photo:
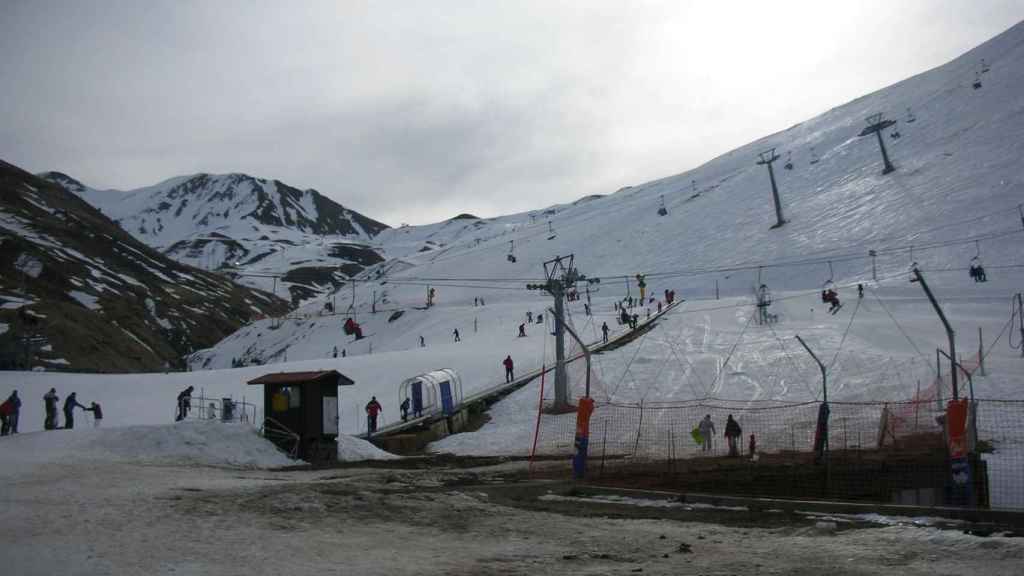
[{"x": 97, "y": 414}]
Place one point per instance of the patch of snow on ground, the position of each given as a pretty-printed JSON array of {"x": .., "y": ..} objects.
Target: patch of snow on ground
[
  {"x": 183, "y": 443},
  {"x": 352, "y": 449},
  {"x": 14, "y": 302},
  {"x": 29, "y": 265},
  {"x": 151, "y": 306},
  {"x": 85, "y": 299}
]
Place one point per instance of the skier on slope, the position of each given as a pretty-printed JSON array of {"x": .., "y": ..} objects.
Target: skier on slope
[
  {"x": 604, "y": 332},
  {"x": 509, "y": 376}
]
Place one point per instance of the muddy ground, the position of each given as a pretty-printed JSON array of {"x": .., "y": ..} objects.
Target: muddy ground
[{"x": 437, "y": 519}]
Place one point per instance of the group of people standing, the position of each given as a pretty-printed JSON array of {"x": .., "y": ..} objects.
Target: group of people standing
[
  {"x": 10, "y": 412},
  {"x": 705, "y": 431},
  {"x": 50, "y": 401}
]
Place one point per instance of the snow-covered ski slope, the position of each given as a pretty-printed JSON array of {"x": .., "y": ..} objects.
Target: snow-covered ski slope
[{"x": 958, "y": 179}]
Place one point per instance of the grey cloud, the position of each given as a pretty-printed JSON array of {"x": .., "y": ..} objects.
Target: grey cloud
[{"x": 417, "y": 111}]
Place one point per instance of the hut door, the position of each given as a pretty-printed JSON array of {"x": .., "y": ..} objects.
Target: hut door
[
  {"x": 330, "y": 415},
  {"x": 446, "y": 397}
]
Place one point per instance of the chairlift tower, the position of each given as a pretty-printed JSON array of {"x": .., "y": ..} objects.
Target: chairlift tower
[
  {"x": 875, "y": 126},
  {"x": 766, "y": 159},
  {"x": 561, "y": 275}
]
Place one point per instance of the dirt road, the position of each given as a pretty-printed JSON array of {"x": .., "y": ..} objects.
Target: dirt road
[{"x": 143, "y": 519}]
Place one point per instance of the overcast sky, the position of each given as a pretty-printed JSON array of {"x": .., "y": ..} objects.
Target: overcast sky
[{"x": 417, "y": 111}]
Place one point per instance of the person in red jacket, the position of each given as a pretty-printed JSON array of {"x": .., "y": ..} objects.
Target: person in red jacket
[
  {"x": 508, "y": 368},
  {"x": 373, "y": 408}
]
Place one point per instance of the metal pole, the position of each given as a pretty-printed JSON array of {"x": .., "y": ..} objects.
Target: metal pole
[
  {"x": 561, "y": 379},
  {"x": 981, "y": 353},
  {"x": 583, "y": 347},
  {"x": 824, "y": 375},
  {"x": 956, "y": 365},
  {"x": 716, "y": 288},
  {"x": 885, "y": 157},
  {"x": 775, "y": 196},
  {"x": 918, "y": 277},
  {"x": 874, "y": 269},
  {"x": 938, "y": 378},
  {"x": 1020, "y": 316}
]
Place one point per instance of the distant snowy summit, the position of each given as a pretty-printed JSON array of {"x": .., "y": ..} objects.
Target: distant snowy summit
[
  {"x": 231, "y": 204},
  {"x": 237, "y": 222}
]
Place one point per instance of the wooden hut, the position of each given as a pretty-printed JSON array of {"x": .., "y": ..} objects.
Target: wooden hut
[{"x": 300, "y": 412}]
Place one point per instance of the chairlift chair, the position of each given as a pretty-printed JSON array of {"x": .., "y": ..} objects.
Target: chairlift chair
[
  {"x": 977, "y": 267},
  {"x": 895, "y": 134},
  {"x": 814, "y": 156},
  {"x": 789, "y": 161},
  {"x": 984, "y": 66},
  {"x": 764, "y": 296},
  {"x": 910, "y": 116},
  {"x": 977, "y": 80},
  {"x": 511, "y": 251},
  {"x": 662, "y": 211}
]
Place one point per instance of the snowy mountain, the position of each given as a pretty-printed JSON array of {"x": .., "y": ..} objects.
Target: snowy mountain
[
  {"x": 237, "y": 221},
  {"x": 78, "y": 293},
  {"x": 954, "y": 195}
]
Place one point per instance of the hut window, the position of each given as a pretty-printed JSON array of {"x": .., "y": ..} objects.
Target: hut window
[
  {"x": 279, "y": 400},
  {"x": 287, "y": 397},
  {"x": 294, "y": 396}
]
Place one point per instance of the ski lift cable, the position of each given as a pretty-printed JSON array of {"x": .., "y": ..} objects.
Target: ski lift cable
[
  {"x": 792, "y": 360},
  {"x": 815, "y": 261},
  {"x": 636, "y": 352},
  {"x": 693, "y": 370},
  {"x": 767, "y": 264},
  {"x": 443, "y": 285},
  {"x": 741, "y": 266},
  {"x": 992, "y": 346},
  {"x": 734, "y": 346},
  {"x": 927, "y": 362},
  {"x": 845, "y": 333}
]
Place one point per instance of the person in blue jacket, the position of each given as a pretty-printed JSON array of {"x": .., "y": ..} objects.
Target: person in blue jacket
[{"x": 69, "y": 410}]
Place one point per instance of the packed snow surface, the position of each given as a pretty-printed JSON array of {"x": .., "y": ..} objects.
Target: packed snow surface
[{"x": 183, "y": 443}]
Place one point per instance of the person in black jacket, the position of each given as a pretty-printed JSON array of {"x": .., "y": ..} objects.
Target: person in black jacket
[
  {"x": 69, "y": 410},
  {"x": 733, "y": 432},
  {"x": 184, "y": 404},
  {"x": 50, "y": 400}
]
